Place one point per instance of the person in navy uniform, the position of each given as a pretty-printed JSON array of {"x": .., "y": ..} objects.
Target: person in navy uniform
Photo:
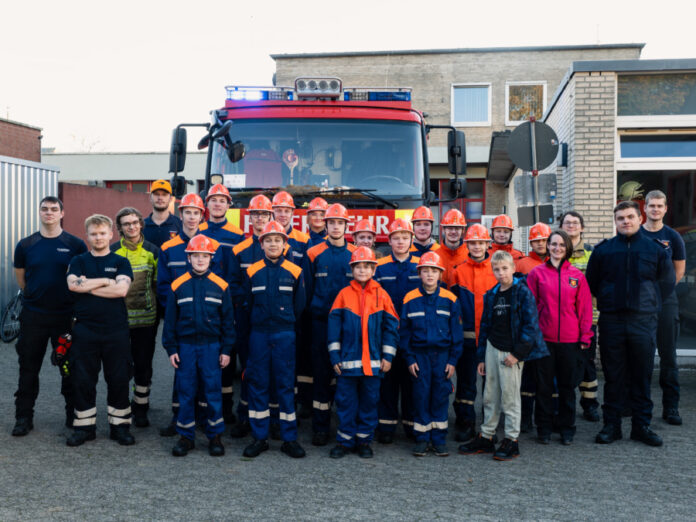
[
  {"x": 276, "y": 299},
  {"x": 668, "y": 319},
  {"x": 161, "y": 225},
  {"x": 100, "y": 280},
  {"x": 629, "y": 274},
  {"x": 40, "y": 262},
  {"x": 199, "y": 336},
  {"x": 431, "y": 340}
]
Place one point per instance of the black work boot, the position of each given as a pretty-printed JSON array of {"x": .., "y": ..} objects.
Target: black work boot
[
  {"x": 293, "y": 449},
  {"x": 140, "y": 419},
  {"x": 645, "y": 435},
  {"x": 480, "y": 444},
  {"x": 121, "y": 434},
  {"x": 464, "y": 431},
  {"x": 365, "y": 451},
  {"x": 22, "y": 427},
  {"x": 182, "y": 447},
  {"x": 255, "y": 448},
  {"x": 609, "y": 434},
  {"x": 215, "y": 447},
  {"x": 508, "y": 450},
  {"x": 339, "y": 451},
  {"x": 671, "y": 416},
  {"x": 240, "y": 430},
  {"x": 79, "y": 437}
]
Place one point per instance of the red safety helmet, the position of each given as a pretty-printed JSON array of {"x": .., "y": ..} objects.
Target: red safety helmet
[
  {"x": 363, "y": 254},
  {"x": 260, "y": 203},
  {"x": 202, "y": 244},
  {"x": 283, "y": 199},
  {"x": 539, "y": 231},
  {"x": 317, "y": 204},
  {"x": 218, "y": 190},
  {"x": 337, "y": 211},
  {"x": 477, "y": 232},
  {"x": 431, "y": 259},
  {"x": 364, "y": 225},
  {"x": 423, "y": 214},
  {"x": 192, "y": 201},
  {"x": 273, "y": 228},
  {"x": 453, "y": 218},
  {"x": 400, "y": 225},
  {"x": 502, "y": 221}
]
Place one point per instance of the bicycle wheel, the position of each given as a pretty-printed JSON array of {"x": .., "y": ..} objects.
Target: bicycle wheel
[{"x": 9, "y": 324}]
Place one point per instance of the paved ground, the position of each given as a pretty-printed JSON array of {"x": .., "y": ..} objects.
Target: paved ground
[{"x": 42, "y": 479}]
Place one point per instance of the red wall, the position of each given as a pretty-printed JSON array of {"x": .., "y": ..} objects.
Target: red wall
[
  {"x": 81, "y": 201},
  {"x": 19, "y": 141}
]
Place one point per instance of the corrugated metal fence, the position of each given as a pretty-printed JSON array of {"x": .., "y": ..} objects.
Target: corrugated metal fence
[{"x": 22, "y": 186}]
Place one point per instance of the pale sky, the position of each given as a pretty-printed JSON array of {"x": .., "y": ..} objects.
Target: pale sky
[{"x": 119, "y": 76}]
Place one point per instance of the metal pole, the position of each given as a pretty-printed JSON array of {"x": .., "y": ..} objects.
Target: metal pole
[{"x": 535, "y": 171}]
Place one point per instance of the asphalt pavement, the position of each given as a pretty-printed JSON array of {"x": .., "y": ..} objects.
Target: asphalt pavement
[{"x": 43, "y": 479}]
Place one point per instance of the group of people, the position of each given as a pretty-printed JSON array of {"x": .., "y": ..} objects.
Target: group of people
[{"x": 314, "y": 320}]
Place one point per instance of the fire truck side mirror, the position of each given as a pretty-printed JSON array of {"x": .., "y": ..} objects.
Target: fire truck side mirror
[
  {"x": 235, "y": 151},
  {"x": 178, "y": 186},
  {"x": 456, "y": 152},
  {"x": 177, "y": 151}
]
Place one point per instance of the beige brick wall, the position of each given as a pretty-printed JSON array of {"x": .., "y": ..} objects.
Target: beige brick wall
[{"x": 432, "y": 75}]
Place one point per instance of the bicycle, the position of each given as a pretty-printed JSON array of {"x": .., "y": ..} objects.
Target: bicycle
[{"x": 9, "y": 324}]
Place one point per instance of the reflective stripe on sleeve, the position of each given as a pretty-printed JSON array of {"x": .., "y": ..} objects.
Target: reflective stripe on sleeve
[
  {"x": 184, "y": 300},
  {"x": 333, "y": 347},
  {"x": 388, "y": 349}
]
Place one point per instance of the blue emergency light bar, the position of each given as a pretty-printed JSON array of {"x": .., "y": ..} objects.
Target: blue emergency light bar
[{"x": 318, "y": 88}]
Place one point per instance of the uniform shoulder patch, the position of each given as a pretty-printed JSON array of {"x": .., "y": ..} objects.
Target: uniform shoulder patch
[
  {"x": 218, "y": 281},
  {"x": 203, "y": 226},
  {"x": 180, "y": 281},
  {"x": 384, "y": 260},
  {"x": 415, "y": 260},
  {"x": 176, "y": 240},
  {"x": 292, "y": 268},
  {"x": 413, "y": 294},
  {"x": 255, "y": 268},
  {"x": 243, "y": 245},
  {"x": 231, "y": 227},
  {"x": 352, "y": 248},
  {"x": 448, "y": 295},
  {"x": 316, "y": 250},
  {"x": 299, "y": 236}
]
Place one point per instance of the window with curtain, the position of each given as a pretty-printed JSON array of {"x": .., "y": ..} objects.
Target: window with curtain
[{"x": 471, "y": 105}]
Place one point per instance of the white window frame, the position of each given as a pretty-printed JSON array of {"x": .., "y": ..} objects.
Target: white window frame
[
  {"x": 486, "y": 123},
  {"x": 648, "y": 163},
  {"x": 512, "y": 123}
]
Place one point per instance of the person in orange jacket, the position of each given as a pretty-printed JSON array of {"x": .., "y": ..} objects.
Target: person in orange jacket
[
  {"x": 453, "y": 251},
  {"x": 472, "y": 280},
  {"x": 362, "y": 339},
  {"x": 502, "y": 229},
  {"x": 538, "y": 235}
]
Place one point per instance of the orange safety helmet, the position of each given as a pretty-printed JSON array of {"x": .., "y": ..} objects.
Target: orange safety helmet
[
  {"x": 218, "y": 190},
  {"x": 260, "y": 203},
  {"x": 431, "y": 259},
  {"x": 477, "y": 232},
  {"x": 192, "y": 201},
  {"x": 317, "y": 204},
  {"x": 364, "y": 225},
  {"x": 273, "y": 228},
  {"x": 502, "y": 221},
  {"x": 539, "y": 231},
  {"x": 400, "y": 225},
  {"x": 453, "y": 218},
  {"x": 283, "y": 199},
  {"x": 201, "y": 244},
  {"x": 423, "y": 214},
  {"x": 337, "y": 211},
  {"x": 363, "y": 254}
]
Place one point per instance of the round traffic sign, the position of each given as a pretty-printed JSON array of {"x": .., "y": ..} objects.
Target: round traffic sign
[{"x": 520, "y": 145}]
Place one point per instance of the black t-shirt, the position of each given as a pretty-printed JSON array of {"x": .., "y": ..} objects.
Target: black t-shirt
[
  {"x": 45, "y": 262},
  {"x": 100, "y": 312},
  {"x": 160, "y": 234},
  {"x": 501, "y": 329},
  {"x": 674, "y": 244}
]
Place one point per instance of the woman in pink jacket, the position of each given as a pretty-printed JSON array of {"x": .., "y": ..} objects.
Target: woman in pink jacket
[{"x": 564, "y": 304}]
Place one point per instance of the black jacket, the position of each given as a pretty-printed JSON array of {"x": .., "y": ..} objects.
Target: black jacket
[{"x": 630, "y": 274}]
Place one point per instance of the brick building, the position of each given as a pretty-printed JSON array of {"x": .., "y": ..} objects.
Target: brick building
[
  {"x": 19, "y": 140},
  {"x": 479, "y": 91}
]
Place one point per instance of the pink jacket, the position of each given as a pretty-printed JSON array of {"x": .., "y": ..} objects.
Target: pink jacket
[{"x": 563, "y": 301}]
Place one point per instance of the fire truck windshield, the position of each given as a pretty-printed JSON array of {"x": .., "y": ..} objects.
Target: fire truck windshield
[{"x": 383, "y": 157}]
